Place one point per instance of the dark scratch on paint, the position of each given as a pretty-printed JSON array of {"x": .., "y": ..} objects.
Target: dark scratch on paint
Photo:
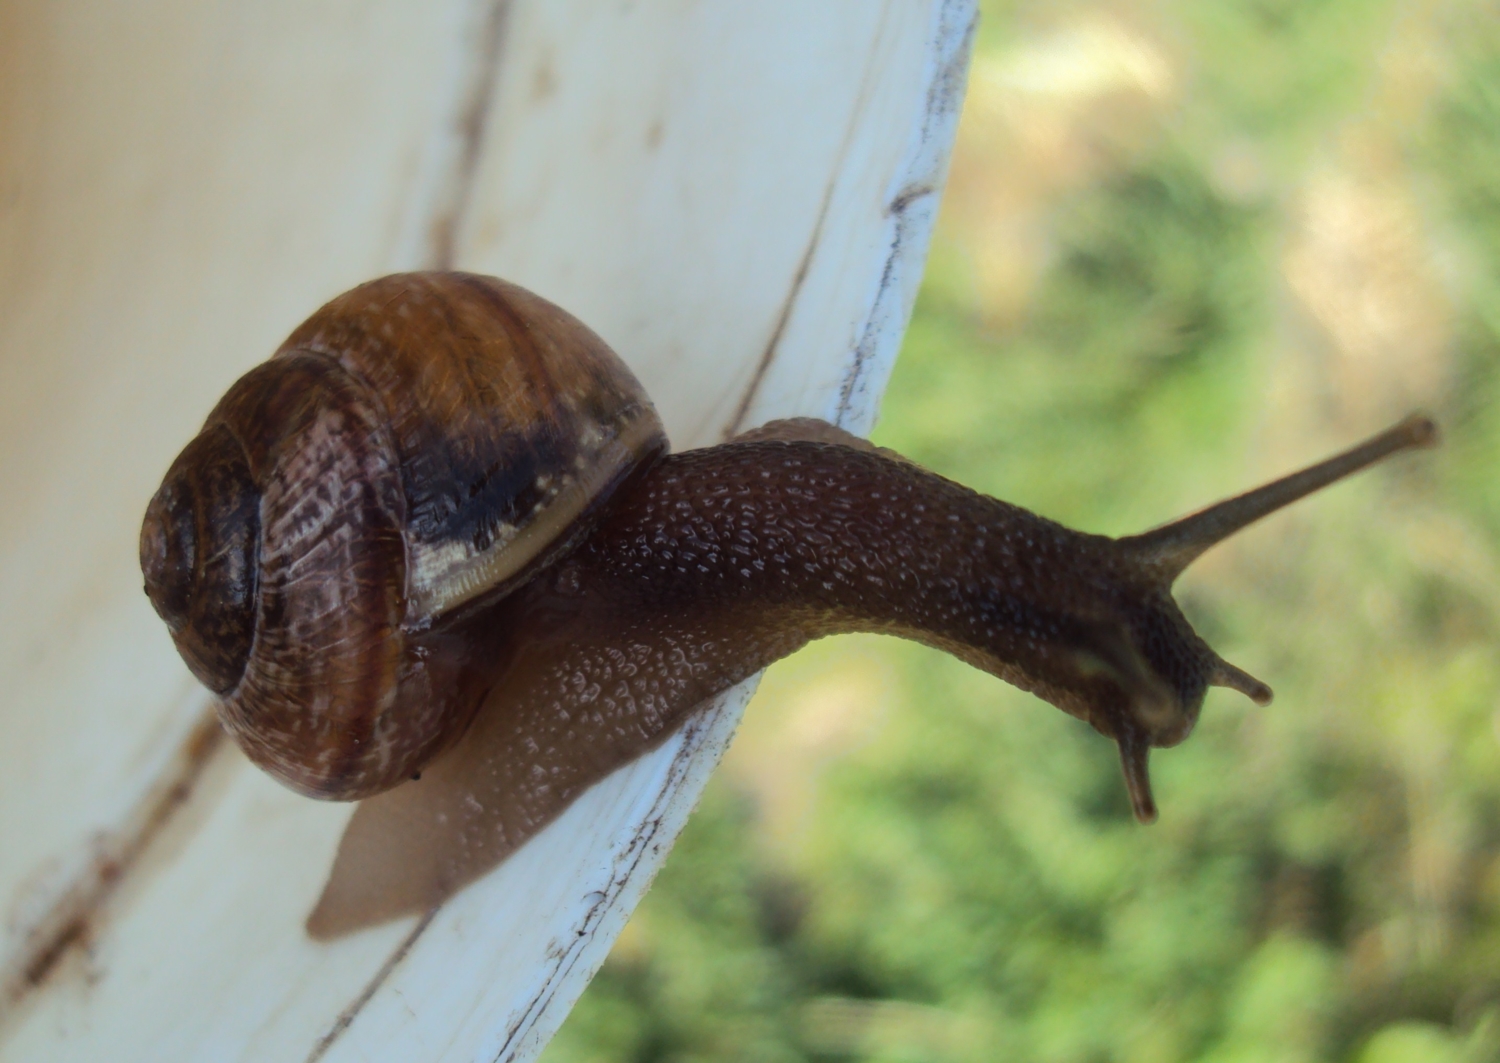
[
  {"x": 347, "y": 1016},
  {"x": 69, "y": 920},
  {"x": 737, "y": 422},
  {"x": 769, "y": 354},
  {"x": 470, "y": 123},
  {"x": 944, "y": 98}
]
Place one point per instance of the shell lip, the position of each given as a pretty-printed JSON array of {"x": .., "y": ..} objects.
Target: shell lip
[{"x": 452, "y": 580}]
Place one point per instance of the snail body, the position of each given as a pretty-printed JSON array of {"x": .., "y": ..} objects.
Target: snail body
[{"x": 444, "y": 492}]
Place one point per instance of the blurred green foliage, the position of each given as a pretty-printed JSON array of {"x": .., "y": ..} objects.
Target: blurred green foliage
[{"x": 1299, "y": 240}]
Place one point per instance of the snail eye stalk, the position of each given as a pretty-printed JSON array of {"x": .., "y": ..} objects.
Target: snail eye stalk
[{"x": 1171, "y": 548}]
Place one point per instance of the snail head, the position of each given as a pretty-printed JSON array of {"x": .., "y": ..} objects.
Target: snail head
[{"x": 1139, "y": 674}]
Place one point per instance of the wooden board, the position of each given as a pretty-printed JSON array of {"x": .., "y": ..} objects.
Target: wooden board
[{"x": 738, "y": 197}]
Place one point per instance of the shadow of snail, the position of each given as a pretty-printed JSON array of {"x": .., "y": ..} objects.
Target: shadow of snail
[{"x": 438, "y": 537}]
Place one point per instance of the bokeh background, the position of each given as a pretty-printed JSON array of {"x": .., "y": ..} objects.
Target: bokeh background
[{"x": 1185, "y": 247}]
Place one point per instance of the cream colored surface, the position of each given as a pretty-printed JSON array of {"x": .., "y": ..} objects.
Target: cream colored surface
[{"x": 735, "y": 196}]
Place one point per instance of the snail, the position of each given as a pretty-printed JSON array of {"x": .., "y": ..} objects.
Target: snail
[{"x": 443, "y": 493}]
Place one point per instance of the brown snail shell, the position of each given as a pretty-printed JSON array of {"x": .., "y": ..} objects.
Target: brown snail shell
[{"x": 418, "y": 446}]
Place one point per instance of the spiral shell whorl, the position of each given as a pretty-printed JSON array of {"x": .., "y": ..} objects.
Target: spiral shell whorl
[
  {"x": 419, "y": 446},
  {"x": 199, "y": 555},
  {"x": 328, "y": 641}
]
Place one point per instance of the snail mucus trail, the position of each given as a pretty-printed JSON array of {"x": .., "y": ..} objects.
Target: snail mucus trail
[{"x": 444, "y": 492}]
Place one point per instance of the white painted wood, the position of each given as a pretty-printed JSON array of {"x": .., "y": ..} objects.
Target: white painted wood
[
  {"x": 179, "y": 185},
  {"x": 736, "y": 196}
]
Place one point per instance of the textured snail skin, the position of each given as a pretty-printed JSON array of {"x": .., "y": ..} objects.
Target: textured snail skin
[{"x": 716, "y": 562}]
